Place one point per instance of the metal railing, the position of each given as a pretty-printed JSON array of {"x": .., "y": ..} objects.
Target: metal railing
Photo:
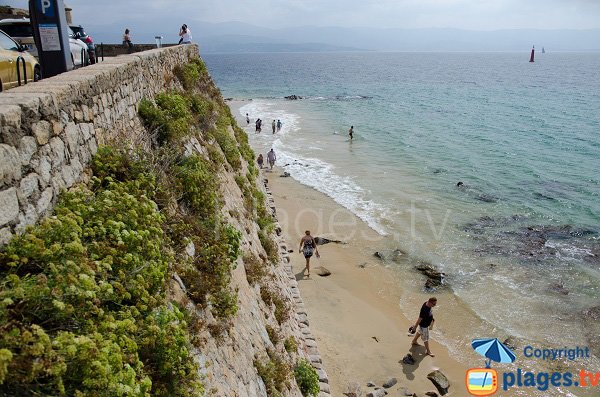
[{"x": 21, "y": 60}]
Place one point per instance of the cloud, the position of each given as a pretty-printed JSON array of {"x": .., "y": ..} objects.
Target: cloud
[{"x": 167, "y": 15}]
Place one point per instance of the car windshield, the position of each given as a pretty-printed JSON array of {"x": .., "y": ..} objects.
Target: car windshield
[
  {"x": 79, "y": 29},
  {"x": 17, "y": 30},
  {"x": 7, "y": 43}
]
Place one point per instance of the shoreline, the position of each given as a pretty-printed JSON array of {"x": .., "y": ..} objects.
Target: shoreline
[
  {"x": 354, "y": 313},
  {"x": 360, "y": 314}
]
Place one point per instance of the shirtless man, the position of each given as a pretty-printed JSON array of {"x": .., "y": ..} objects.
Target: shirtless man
[
  {"x": 308, "y": 245},
  {"x": 351, "y": 131}
]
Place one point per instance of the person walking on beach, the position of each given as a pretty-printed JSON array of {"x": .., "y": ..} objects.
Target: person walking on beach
[
  {"x": 127, "y": 41},
  {"x": 247, "y": 119},
  {"x": 424, "y": 324},
  {"x": 273, "y": 125},
  {"x": 186, "y": 35},
  {"x": 260, "y": 160},
  {"x": 351, "y": 132},
  {"x": 308, "y": 246},
  {"x": 271, "y": 158},
  {"x": 278, "y": 124}
]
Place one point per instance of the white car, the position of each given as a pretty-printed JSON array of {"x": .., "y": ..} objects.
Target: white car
[{"x": 21, "y": 31}]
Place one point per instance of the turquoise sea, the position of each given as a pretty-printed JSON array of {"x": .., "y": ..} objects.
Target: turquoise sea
[{"x": 520, "y": 240}]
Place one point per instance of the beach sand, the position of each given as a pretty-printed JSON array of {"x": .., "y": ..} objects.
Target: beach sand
[{"x": 354, "y": 313}]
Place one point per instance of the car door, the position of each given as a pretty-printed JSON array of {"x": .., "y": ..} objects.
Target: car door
[{"x": 9, "y": 52}]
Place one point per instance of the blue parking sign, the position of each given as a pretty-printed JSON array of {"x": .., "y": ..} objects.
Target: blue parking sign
[{"x": 46, "y": 7}]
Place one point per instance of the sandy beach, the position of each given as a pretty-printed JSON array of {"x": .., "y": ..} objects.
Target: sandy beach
[{"x": 354, "y": 313}]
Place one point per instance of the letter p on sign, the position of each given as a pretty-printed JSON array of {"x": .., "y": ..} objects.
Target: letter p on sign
[{"x": 46, "y": 7}]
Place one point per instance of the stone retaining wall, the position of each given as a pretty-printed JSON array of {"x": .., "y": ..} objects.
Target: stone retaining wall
[{"x": 50, "y": 130}]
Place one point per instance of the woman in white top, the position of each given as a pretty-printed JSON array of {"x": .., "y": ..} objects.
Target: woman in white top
[{"x": 186, "y": 35}]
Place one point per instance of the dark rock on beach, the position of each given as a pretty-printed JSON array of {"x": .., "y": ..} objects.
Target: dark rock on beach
[
  {"x": 323, "y": 240},
  {"x": 389, "y": 255},
  {"x": 322, "y": 271},
  {"x": 435, "y": 278},
  {"x": 293, "y": 97},
  {"x": 440, "y": 381}
]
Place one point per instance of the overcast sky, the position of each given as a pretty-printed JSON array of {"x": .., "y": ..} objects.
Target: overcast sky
[{"x": 463, "y": 14}]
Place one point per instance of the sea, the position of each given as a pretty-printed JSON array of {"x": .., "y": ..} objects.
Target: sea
[{"x": 482, "y": 165}]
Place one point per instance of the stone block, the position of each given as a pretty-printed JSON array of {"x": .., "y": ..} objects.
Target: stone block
[
  {"x": 42, "y": 131},
  {"x": 29, "y": 217},
  {"x": 30, "y": 185},
  {"x": 58, "y": 151},
  {"x": 44, "y": 168},
  {"x": 5, "y": 236},
  {"x": 27, "y": 148},
  {"x": 9, "y": 206},
  {"x": 10, "y": 165},
  {"x": 44, "y": 201},
  {"x": 10, "y": 124}
]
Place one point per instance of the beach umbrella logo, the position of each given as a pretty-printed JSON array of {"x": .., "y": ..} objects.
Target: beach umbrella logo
[{"x": 484, "y": 381}]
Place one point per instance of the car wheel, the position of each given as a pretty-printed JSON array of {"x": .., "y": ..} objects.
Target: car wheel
[{"x": 37, "y": 74}]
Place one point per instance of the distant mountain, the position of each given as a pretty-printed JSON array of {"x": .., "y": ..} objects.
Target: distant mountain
[
  {"x": 245, "y": 44},
  {"x": 244, "y": 37}
]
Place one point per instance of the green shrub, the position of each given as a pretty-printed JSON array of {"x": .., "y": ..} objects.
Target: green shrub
[
  {"x": 306, "y": 378},
  {"x": 273, "y": 334},
  {"x": 256, "y": 269},
  {"x": 228, "y": 145},
  {"x": 269, "y": 245},
  {"x": 82, "y": 297},
  {"x": 198, "y": 186},
  {"x": 190, "y": 74},
  {"x": 275, "y": 373},
  {"x": 290, "y": 345},
  {"x": 272, "y": 298},
  {"x": 170, "y": 118}
]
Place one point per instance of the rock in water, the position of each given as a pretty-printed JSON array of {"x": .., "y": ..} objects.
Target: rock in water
[
  {"x": 440, "y": 381},
  {"x": 322, "y": 271},
  {"x": 390, "y": 383}
]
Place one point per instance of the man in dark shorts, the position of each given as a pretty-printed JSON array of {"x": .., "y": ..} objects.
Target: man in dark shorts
[
  {"x": 425, "y": 323},
  {"x": 308, "y": 245}
]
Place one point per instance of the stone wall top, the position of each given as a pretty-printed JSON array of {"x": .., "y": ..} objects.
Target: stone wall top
[{"x": 49, "y": 130}]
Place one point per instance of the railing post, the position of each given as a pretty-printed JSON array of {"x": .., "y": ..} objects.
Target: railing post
[{"x": 21, "y": 60}]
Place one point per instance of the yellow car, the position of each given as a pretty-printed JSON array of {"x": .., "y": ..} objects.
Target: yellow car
[{"x": 16, "y": 64}]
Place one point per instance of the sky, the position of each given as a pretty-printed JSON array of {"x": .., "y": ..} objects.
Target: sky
[{"x": 462, "y": 14}]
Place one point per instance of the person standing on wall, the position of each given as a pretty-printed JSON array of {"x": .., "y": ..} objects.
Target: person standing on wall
[
  {"x": 186, "y": 35},
  {"x": 127, "y": 41}
]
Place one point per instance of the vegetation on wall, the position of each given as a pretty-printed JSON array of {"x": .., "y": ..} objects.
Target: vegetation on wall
[
  {"x": 83, "y": 307},
  {"x": 306, "y": 378},
  {"x": 82, "y": 303}
]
